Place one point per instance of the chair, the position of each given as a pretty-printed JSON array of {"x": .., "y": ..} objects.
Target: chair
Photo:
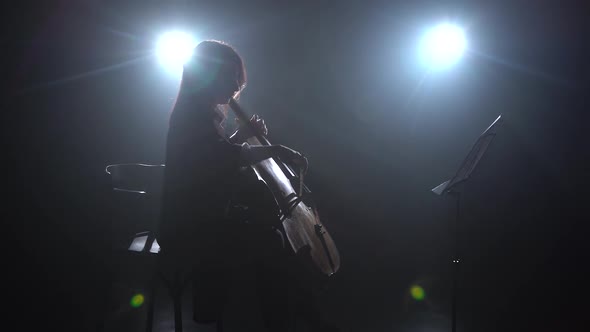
[{"x": 137, "y": 193}]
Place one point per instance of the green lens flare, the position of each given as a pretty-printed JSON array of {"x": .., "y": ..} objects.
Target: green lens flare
[
  {"x": 136, "y": 300},
  {"x": 417, "y": 292}
]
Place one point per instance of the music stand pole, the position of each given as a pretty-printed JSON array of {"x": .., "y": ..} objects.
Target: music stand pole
[
  {"x": 455, "y": 261},
  {"x": 450, "y": 187}
]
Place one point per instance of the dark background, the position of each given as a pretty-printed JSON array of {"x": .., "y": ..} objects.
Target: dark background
[{"x": 338, "y": 81}]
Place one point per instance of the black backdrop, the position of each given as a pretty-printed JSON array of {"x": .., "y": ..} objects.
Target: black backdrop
[{"x": 336, "y": 81}]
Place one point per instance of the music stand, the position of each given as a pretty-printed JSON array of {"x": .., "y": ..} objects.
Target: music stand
[{"x": 450, "y": 187}]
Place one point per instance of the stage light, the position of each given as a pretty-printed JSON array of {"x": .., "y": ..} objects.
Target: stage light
[
  {"x": 442, "y": 46},
  {"x": 174, "y": 49}
]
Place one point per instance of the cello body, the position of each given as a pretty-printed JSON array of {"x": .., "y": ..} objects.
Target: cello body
[{"x": 307, "y": 236}]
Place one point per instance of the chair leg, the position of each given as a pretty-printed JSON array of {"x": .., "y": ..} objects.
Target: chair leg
[
  {"x": 178, "y": 312},
  {"x": 175, "y": 287},
  {"x": 152, "y": 304}
]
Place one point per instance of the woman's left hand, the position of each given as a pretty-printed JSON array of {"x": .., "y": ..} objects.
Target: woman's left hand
[{"x": 244, "y": 131}]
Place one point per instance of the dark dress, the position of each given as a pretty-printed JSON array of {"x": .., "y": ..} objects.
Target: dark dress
[
  {"x": 202, "y": 177},
  {"x": 201, "y": 167}
]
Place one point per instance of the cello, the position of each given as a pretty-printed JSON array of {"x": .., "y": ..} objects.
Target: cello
[{"x": 298, "y": 215}]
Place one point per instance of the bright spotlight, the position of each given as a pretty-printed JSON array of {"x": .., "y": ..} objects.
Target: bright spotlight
[
  {"x": 174, "y": 49},
  {"x": 442, "y": 46}
]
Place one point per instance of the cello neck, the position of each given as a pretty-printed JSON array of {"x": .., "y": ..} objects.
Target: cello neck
[
  {"x": 245, "y": 119},
  {"x": 239, "y": 111}
]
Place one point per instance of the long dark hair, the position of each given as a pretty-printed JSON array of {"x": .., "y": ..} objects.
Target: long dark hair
[{"x": 203, "y": 69}]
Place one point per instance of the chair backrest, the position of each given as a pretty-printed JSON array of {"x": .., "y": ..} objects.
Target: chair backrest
[
  {"x": 136, "y": 177},
  {"x": 137, "y": 190}
]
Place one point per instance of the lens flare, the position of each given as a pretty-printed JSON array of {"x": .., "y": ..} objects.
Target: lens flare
[
  {"x": 417, "y": 293},
  {"x": 137, "y": 300}
]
